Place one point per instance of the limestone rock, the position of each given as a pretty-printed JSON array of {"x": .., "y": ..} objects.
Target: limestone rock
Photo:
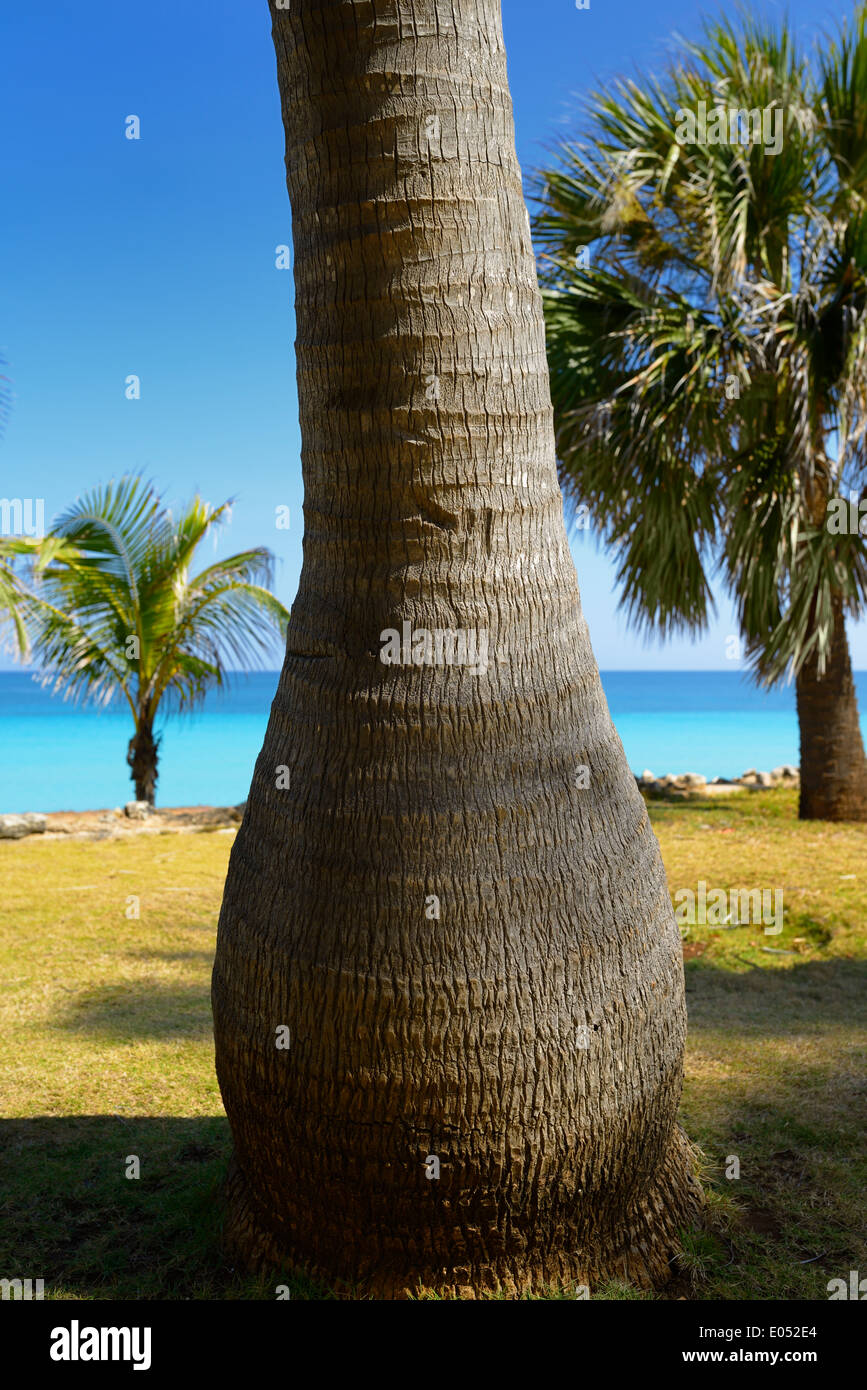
[
  {"x": 786, "y": 773},
  {"x": 16, "y": 827},
  {"x": 13, "y": 828}
]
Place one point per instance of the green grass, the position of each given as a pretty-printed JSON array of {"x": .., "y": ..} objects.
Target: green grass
[{"x": 107, "y": 1052}]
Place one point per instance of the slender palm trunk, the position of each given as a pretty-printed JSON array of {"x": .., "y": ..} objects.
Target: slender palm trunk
[
  {"x": 142, "y": 755},
  {"x": 833, "y": 765},
  {"x": 446, "y": 932}
]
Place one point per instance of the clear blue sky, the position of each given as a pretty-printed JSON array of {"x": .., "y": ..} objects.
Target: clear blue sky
[{"x": 157, "y": 256}]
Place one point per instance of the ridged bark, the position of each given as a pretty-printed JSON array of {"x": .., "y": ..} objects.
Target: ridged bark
[
  {"x": 142, "y": 756},
  {"x": 532, "y": 1035},
  {"x": 833, "y": 765}
]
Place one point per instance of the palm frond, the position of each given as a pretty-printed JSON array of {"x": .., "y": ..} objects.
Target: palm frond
[{"x": 708, "y": 346}]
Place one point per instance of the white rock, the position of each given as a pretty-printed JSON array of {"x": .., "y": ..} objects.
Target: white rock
[
  {"x": 764, "y": 779},
  {"x": 36, "y": 821},
  {"x": 693, "y": 779},
  {"x": 137, "y": 810},
  {"x": 647, "y": 776},
  {"x": 13, "y": 828}
]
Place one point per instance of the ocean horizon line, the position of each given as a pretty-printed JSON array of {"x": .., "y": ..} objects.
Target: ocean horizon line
[{"x": 61, "y": 755}]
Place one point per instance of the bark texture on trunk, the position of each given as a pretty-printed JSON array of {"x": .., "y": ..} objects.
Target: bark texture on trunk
[
  {"x": 142, "y": 757},
  {"x": 833, "y": 765},
  {"x": 467, "y": 935}
]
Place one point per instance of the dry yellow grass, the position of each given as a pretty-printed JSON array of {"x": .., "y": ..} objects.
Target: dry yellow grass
[{"x": 106, "y": 1051}]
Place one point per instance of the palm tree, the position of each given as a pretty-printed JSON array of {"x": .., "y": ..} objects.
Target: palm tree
[
  {"x": 448, "y": 986},
  {"x": 113, "y": 610},
  {"x": 705, "y": 310}
]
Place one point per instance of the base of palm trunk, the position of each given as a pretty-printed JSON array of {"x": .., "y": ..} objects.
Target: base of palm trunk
[
  {"x": 836, "y": 804},
  {"x": 638, "y": 1250},
  {"x": 833, "y": 763}
]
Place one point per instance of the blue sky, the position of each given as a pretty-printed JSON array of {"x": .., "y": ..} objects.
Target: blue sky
[{"x": 156, "y": 257}]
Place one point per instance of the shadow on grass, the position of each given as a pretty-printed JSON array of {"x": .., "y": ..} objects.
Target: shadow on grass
[
  {"x": 204, "y": 957},
  {"x": 136, "y": 1009},
  {"x": 811, "y": 995},
  {"x": 71, "y": 1216},
  {"x": 776, "y": 1080}
]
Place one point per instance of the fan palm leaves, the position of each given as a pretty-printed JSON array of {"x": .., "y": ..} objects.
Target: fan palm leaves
[{"x": 705, "y": 287}]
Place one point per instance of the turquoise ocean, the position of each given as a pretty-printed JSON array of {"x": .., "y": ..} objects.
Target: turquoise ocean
[{"x": 55, "y": 756}]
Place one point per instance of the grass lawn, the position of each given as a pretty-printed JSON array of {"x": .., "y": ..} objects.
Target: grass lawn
[{"x": 106, "y": 1052}]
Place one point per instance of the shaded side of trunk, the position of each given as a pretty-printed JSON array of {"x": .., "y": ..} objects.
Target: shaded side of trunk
[
  {"x": 142, "y": 756},
  {"x": 833, "y": 765},
  {"x": 446, "y": 932}
]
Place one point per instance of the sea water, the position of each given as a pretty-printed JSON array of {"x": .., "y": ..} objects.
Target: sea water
[{"x": 57, "y": 756}]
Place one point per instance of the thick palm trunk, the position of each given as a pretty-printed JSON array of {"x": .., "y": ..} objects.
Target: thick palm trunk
[
  {"x": 833, "y": 766},
  {"x": 473, "y": 950},
  {"x": 142, "y": 756}
]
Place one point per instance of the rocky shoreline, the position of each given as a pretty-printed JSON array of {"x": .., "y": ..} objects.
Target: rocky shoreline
[
  {"x": 684, "y": 784},
  {"x": 137, "y": 817}
]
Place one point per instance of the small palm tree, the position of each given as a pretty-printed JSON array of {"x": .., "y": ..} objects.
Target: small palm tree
[
  {"x": 110, "y": 608},
  {"x": 706, "y": 315}
]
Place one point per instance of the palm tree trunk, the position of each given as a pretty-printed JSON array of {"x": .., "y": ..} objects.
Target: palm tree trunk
[
  {"x": 142, "y": 756},
  {"x": 473, "y": 950},
  {"x": 833, "y": 765}
]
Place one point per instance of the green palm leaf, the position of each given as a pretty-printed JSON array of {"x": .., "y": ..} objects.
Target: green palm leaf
[
  {"x": 706, "y": 317},
  {"x": 113, "y": 607}
]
